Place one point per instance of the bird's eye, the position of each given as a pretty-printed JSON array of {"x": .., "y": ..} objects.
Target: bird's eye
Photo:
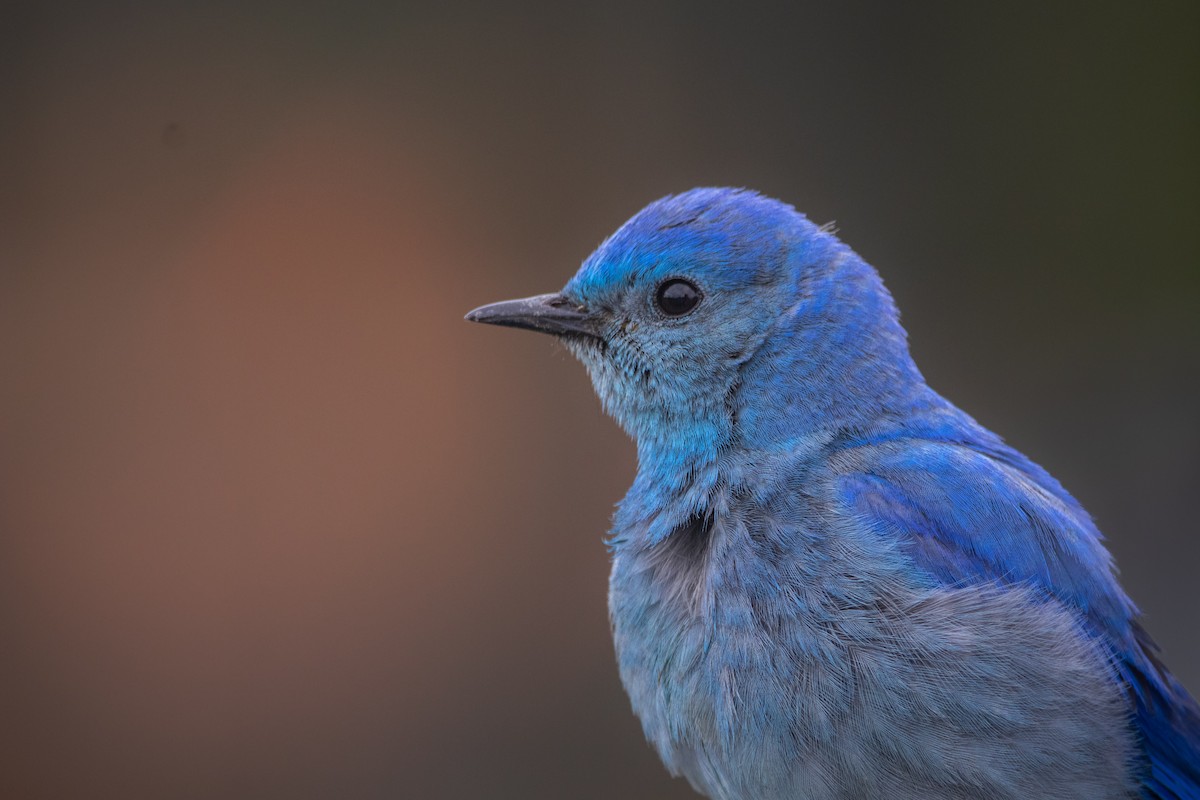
[{"x": 677, "y": 297}]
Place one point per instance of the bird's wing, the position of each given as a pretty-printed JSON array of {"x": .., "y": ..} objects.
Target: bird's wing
[{"x": 968, "y": 516}]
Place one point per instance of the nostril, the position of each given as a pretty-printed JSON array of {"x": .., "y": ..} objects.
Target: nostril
[{"x": 562, "y": 301}]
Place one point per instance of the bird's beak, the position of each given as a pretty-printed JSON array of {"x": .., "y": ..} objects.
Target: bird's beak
[{"x": 548, "y": 313}]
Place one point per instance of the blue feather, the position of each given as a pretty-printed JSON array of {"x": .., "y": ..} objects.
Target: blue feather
[{"x": 829, "y": 582}]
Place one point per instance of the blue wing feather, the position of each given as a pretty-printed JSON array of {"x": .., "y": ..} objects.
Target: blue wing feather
[{"x": 971, "y": 514}]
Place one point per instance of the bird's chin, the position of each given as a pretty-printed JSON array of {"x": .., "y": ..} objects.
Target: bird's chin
[{"x": 588, "y": 349}]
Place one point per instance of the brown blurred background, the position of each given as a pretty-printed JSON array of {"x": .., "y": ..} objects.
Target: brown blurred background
[{"x": 276, "y": 523}]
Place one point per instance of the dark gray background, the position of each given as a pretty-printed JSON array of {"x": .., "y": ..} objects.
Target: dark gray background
[{"x": 275, "y": 522}]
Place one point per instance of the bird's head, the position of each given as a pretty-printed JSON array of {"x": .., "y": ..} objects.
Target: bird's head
[{"x": 719, "y": 317}]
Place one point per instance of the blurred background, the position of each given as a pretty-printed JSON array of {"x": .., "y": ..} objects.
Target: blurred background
[{"x": 276, "y": 523}]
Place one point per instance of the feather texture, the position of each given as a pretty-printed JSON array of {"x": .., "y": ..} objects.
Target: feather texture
[{"x": 828, "y": 581}]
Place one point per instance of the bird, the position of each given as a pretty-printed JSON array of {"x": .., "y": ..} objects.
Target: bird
[{"x": 828, "y": 581}]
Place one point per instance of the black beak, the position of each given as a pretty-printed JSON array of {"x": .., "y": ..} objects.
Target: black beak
[{"x": 548, "y": 313}]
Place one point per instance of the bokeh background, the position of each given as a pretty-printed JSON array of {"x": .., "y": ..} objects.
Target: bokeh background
[{"x": 276, "y": 523}]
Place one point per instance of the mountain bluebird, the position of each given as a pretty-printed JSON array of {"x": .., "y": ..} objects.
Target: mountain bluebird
[{"x": 827, "y": 580}]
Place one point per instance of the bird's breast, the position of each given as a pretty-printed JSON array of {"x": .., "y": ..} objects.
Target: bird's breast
[{"x": 765, "y": 664}]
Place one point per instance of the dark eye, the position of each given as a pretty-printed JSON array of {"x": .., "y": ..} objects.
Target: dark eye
[{"x": 677, "y": 297}]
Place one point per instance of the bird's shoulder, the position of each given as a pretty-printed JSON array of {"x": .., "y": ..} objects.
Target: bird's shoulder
[
  {"x": 968, "y": 513},
  {"x": 975, "y": 511}
]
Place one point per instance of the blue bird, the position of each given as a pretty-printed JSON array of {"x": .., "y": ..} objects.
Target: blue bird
[{"x": 827, "y": 580}]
